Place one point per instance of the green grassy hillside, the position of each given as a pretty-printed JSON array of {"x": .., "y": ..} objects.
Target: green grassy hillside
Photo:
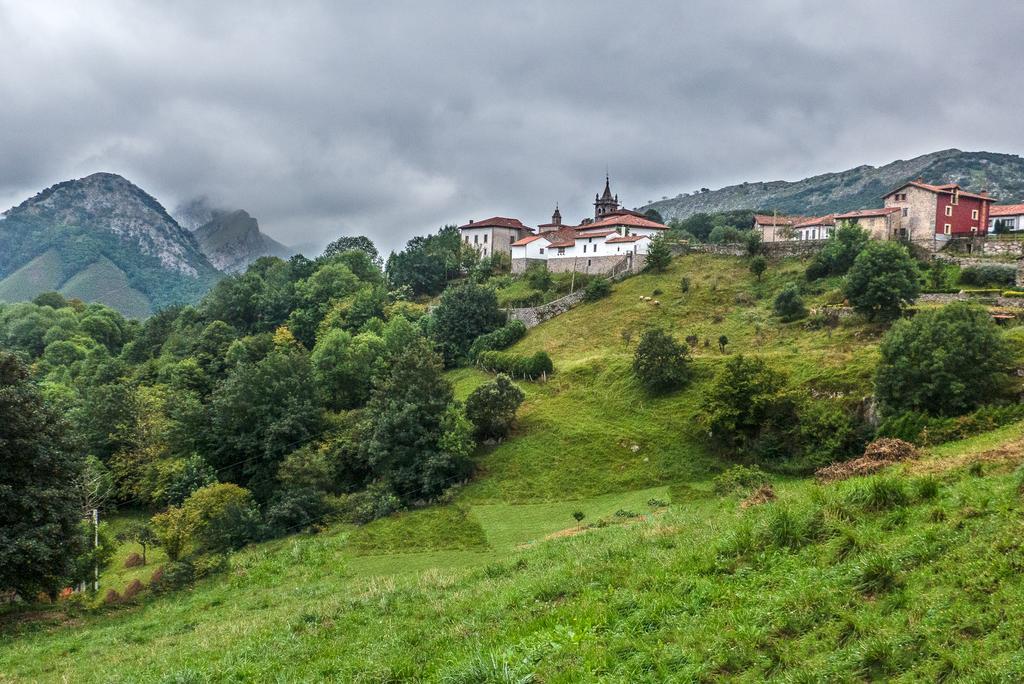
[
  {"x": 42, "y": 274},
  {"x": 907, "y": 574},
  {"x": 102, "y": 281}
]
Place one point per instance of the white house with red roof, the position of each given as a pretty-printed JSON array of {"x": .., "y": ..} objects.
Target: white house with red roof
[{"x": 1006, "y": 218}]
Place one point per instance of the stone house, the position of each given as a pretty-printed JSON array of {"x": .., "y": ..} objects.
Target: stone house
[{"x": 939, "y": 212}]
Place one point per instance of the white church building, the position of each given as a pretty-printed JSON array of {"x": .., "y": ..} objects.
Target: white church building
[{"x": 615, "y": 240}]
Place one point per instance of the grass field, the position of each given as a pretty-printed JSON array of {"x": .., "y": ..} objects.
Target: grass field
[{"x": 909, "y": 575}]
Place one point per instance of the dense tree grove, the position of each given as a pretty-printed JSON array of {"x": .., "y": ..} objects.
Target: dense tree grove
[
  {"x": 40, "y": 508},
  {"x": 294, "y": 390}
]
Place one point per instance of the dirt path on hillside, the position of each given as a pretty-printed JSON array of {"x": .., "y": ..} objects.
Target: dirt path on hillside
[{"x": 1006, "y": 456}]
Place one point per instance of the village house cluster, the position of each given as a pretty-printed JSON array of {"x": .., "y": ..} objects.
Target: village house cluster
[
  {"x": 613, "y": 241},
  {"x": 916, "y": 211}
]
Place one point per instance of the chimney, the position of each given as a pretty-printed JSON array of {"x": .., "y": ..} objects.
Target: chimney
[
  {"x": 983, "y": 193},
  {"x": 470, "y": 221}
]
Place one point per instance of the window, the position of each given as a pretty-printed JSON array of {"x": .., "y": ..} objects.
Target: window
[
  {"x": 485, "y": 238},
  {"x": 974, "y": 229},
  {"x": 541, "y": 250},
  {"x": 955, "y": 199},
  {"x": 947, "y": 229},
  {"x": 906, "y": 212},
  {"x": 588, "y": 263},
  {"x": 561, "y": 251},
  {"x": 949, "y": 210},
  {"x": 974, "y": 214}
]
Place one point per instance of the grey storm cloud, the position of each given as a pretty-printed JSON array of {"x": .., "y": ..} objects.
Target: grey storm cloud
[{"x": 391, "y": 119}]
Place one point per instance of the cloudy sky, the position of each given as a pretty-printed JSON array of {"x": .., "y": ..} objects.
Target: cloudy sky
[{"x": 392, "y": 118}]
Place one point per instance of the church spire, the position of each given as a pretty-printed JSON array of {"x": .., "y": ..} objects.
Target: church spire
[
  {"x": 606, "y": 203},
  {"x": 556, "y": 218}
]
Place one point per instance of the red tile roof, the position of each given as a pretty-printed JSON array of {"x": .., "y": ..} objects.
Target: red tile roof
[
  {"x": 560, "y": 238},
  {"x": 525, "y": 241},
  {"x": 944, "y": 188},
  {"x": 1006, "y": 210},
  {"x": 820, "y": 221},
  {"x": 497, "y": 222},
  {"x": 588, "y": 233},
  {"x": 867, "y": 213},
  {"x": 780, "y": 220},
  {"x": 628, "y": 238},
  {"x": 630, "y": 219}
]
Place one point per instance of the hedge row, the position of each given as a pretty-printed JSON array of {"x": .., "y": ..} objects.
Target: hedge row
[
  {"x": 505, "y": 336},
  {"x": 924, "y": 430},
  {"x": 516, "y": 365},
  {"x": 985, "y": 275}
]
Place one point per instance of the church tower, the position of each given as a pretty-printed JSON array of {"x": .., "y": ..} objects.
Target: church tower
[
  {"x": 556, "y": 218},
  {"x": 605, "y": 204}
]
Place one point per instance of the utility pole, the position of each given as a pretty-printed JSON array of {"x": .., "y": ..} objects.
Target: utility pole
[
  {"x": 572, "y": 282},
  {"x": 96, "y": 545}
]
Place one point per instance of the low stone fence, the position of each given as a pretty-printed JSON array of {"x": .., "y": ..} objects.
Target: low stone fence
[
  {"x": 948, "y": 298},
  {"x": 786, "y": 248},
  {"x": 532, "y": 316}
]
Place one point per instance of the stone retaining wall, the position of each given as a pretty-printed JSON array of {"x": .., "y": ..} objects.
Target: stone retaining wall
[
  {"x": 947, "y": 298},
  {"x": 532, "y": 316}
]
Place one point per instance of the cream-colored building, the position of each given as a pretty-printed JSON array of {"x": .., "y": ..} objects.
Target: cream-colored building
[
  {"x": 494, "y": 235},
  {"x": 881, "y": 224}
]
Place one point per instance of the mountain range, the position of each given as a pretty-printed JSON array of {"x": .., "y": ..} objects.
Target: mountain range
[
  {"x": 230, "y": 239},
  {"x": 857, "y": 188},
  {"x": 103, "y": 239}
]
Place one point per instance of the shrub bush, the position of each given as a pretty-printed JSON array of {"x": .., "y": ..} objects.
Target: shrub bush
[
  {"x": 111, "y": 597},
  {"x": 598, "y": 288},
  {"x": 291, "y": 510},
  {"x": 376, "y": 501},
  {"x": 788, "y": 304},
  {"x": 988, "y": 275},
  {"x": 739, "y": 479},
  {"x": 503, "y": 337},
  {"x": 516, "y": 365},
  {"x": 883, "y": 280},
  {"x": 173, "y": 576},
  {"x": 924, "y": 430}
]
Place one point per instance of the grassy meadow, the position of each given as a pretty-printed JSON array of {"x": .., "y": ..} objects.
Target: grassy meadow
[{"x": 911, "y": 575}]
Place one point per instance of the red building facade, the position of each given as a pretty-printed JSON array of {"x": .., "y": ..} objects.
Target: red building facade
[{"x": 939, "y": 211}]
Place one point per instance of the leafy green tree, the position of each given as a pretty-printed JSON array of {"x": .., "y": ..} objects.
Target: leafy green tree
[
  {"x": 788, "y": 304},
  {"x": 343, "y": 367},
  {"x": 491, "y": 408},
  {"x": 417, "y": 442},
  {"x": 350, "y": 243},
  {"x": 945, "y": 361},
  {"x": 758, "y": 265},
  {"x": 539, "y": 277},
  {"x": 138, "y": 533},
  {"x": 839, "y": 252},
  {"x": 883, "y": 280},
  {"x": 660, "y": 363},
  {"x": 753, "y": 242},
  {"x": 654, "y": 215},
  {"x": 659, "y": 254},
  {"x": 463, "y": 314},
  {"x": 745, "y": 402},
  {"x": 261, "y": 412},
  {"x": 214, "y": 519},
  {"x": 723, "y": 340},
  {"x": 39, "y": 503}
]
